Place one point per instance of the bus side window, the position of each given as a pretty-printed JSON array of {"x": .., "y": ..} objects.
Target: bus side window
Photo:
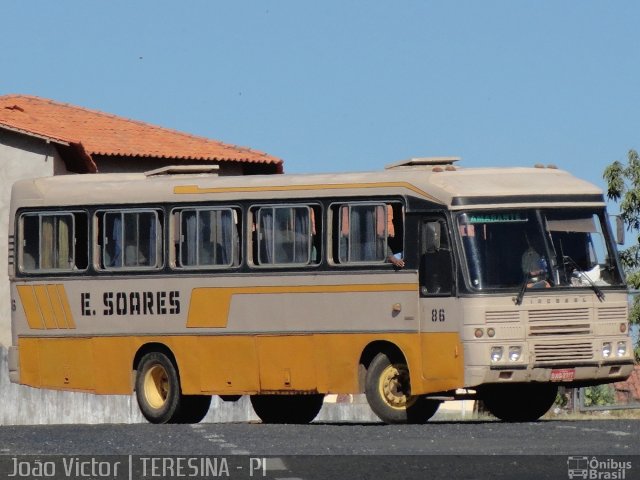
[
  {"x": 436, "y": 268},
  {"x": 131, "y": 239},
  {"x": 208, "y": 238},
  {"x": 30, "y": 243},
  {"x": 286, "y": 235},
  {"x": 54, "y": 241},
  {"x": 367, "y": 232}
]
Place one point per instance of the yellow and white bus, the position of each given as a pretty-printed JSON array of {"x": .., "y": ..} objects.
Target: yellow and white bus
[{"x": 416, "y": 284}]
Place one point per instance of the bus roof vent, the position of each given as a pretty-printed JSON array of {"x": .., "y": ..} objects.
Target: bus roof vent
[
  {"x": 424, "y": 162},
  {"x": 183, "y": 170}
]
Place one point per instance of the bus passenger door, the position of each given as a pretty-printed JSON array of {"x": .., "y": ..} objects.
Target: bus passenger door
[{"x": 442, "y": 361}]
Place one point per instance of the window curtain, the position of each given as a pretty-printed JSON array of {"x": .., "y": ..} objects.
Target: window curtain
[
  {"x": 153, "y": 240},
  {"x": 116, "y": 238},
  {"x": 266, "y": 235},
  {"x": 226, "y": 238},
  {"x": 64, "y": 259},
  {"x": 301, "y": 236},
  {"x": 364, "y": 238},
  {"x": 343, "y": 247},
  {"x": 47, "y": 242},
  {"x": 189, "y": 246}
]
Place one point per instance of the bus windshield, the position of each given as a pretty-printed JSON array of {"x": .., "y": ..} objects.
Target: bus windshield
[{"x": 542, "y": 248}]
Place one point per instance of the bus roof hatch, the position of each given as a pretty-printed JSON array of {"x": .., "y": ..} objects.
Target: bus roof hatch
[{"x": 423, "y": 162}]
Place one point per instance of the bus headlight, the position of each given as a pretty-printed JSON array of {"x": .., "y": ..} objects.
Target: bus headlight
[
  {"x": 515, "y": 353},
  {"x": 606, "y": 350},
  {"x": 496, "y": 354},
  {"x": 622, "y": 349}
]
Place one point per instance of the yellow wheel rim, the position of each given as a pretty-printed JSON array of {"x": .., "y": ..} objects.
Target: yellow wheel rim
[
  {"x": 156, "y": 386},
  {"x": 394, "y": 388}
]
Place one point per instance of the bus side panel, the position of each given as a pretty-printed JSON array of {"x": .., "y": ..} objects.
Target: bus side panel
[
  {"x": 443, "y": 365},
  {"x": 287, "y": 362},
  {"x": 228, "y": 364},
  {"x": 113, "y": 357},
  {"x": 337, "y": 358},
  {"x": 58, "y": 363}
]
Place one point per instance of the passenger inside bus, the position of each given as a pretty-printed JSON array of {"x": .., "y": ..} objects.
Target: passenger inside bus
[
  {"x": 534, "y": 267},
  {"x": 394, "y": 246}
]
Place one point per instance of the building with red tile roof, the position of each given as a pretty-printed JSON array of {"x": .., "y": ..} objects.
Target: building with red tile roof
[
  {"x": 40, "y": 138},
  {"x": 90, "y": 141}
]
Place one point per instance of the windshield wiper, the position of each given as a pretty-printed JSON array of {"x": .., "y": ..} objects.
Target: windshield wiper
[
  {"x": 523, "y": 289},
  {"x": 594, "y": 287}
]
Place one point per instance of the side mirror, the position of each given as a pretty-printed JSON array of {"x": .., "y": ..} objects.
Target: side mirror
[
  {"x": 432, "y": 233},
  {"x": 619, "y": 230}
]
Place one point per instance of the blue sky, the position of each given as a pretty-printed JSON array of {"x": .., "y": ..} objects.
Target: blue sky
[{"x": 348, "y": 85}]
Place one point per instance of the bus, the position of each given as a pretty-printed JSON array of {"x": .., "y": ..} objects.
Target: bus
[{"x": 417, "y": 284}]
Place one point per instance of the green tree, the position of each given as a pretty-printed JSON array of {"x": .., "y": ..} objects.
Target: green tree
[{"x": 623, "y": 187}]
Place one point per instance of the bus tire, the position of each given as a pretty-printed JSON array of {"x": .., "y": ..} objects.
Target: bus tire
[
  {"x": 296, "y": 409},
  {"x": 388, "y": 392},
  {"x": 524, "y": 402},
  {"x": 193, "y": 408},
  {"x": 158, "y": 389}
]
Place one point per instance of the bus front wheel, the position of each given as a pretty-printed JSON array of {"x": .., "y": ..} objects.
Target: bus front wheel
[
  {"x": 298, "y": 409},
  {"x": 158, "y": 389},
  {"x": 525, "y": 402},
  {"x": 388, "y": 391}
]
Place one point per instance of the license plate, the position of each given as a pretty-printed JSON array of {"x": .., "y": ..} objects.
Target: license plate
[{"x": 563, "y": 375}]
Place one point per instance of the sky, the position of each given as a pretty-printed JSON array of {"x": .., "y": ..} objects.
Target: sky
[{"x": 348, "y": 85}]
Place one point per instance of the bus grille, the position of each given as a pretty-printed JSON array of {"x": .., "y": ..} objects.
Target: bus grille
[
  {"x": 565, "y": 352},
  {"x": 573, "y": 321},
  {"x": 612, "y": 314},
  {"x": 505, "y": 316}
]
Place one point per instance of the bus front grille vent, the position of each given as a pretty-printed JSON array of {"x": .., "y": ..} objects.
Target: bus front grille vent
[
  {"x": 506, "y": 316},
  {"x": 546, "y": 353},
  {"x": 612, "y": 314},
  {"x": 569, "y": 329},
  {"x": 572, "y": 321}
]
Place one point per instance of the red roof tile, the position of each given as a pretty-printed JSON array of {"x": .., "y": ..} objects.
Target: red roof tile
[{"x": 105, "y": 134}]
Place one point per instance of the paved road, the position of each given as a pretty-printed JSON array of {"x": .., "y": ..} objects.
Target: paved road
[{"x": 435, "y": 450}]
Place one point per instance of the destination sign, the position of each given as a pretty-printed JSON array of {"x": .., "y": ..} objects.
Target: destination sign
[{"x": 504, "y": 217}]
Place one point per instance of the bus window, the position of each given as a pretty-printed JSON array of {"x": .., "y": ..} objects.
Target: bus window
[
  {"x": 53, "y": 242},
  {"x": 130, "y": 239},
  {"x": 436, "y": 268},
  {"x": 366, "y": 232},
  {"x": 208, "y": 238},
  {"x": 285, "y": 235}
]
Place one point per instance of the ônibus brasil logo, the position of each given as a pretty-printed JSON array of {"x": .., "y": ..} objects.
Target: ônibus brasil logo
[{"x": 595, "y": 468}]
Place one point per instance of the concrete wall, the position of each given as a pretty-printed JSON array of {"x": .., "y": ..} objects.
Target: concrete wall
[{"x": 20, "y": 157}]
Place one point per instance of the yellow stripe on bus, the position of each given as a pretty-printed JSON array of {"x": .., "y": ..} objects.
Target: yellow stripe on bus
[
  {"x": 209, "y": 306},
  {"x": 30, "y": 305},
  {"x": 56, "y": 305},
  {"x": 238, "y": 364},
  {"x": 195, "y": 189},
  {"x": 46, "y": 307},
  {"x": 65, "y": 306}
]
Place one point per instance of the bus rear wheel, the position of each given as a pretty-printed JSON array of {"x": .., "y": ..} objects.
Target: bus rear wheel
[
  {"x": 158, "y": 389},
  {"x": 525, "y": 402},
  {"x": 388, "y": 391},
  {"x": 298, "y": 409}
]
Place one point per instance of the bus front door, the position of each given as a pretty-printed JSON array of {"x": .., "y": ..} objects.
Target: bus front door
[{"x": 442, "y": 355}]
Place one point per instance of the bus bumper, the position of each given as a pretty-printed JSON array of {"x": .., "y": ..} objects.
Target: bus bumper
[
  {"x": 561, "y": 374},
  {"x": 14, "y": 365}
]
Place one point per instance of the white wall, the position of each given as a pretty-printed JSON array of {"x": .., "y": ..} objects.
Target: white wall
[{"x": 20, "y": 157}]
